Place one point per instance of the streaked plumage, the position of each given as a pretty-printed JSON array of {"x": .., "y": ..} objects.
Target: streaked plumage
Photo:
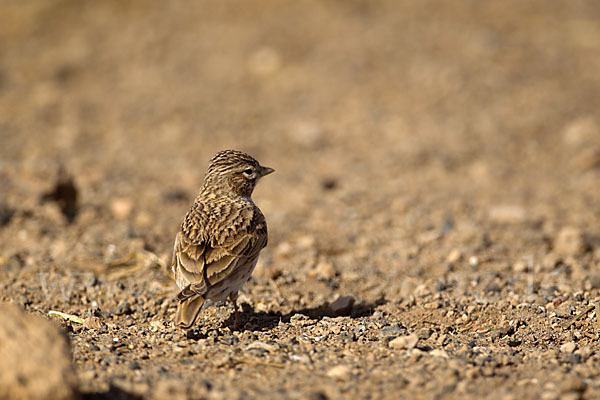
[{"x": 221, "y": 236}]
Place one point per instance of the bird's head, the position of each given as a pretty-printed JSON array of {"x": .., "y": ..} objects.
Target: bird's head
[{"x": 235, "y": 172}]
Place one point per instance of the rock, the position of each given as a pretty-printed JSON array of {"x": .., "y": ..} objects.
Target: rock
[
  {"x": 121, "y": 207},
  {"x": 507, "y": 214},
  {"x": 570, "y": 241},
  {"x": 36, "y": 358},
  {"x": 340, "y": 372},
  {"x": 568, "y": 347},
  {"x": 342, "y": 305},
  {"x": 404, "y": 342}
]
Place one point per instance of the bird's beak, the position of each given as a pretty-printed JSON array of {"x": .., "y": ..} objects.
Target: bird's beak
[{"x": 265, "y": 170}]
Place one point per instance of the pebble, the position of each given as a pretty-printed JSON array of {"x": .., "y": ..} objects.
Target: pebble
[
  {"x": 520, "y": 267},
  {"x": 568, "y": 347},
  {"x": 473, "y": 261},
  {"x": 424, "y": 333},
  {"x": 570, "y": 241},
  {"x": 301, "y": 358},
  {"x": 438, "y": 353},
  {"x": 134, "y": 365},
  {"x": 507, "y": 214},
  {"x": 324, "y": 270},
  {"x": 404, "y": 342},
  {"x": 389, "y": 332},
  {"x": 340, "y": 372},
  {"x": 454, "y": 256},
  {"x": 580, "y": 131},
  {"x": 121, "y": 207},
  {"x": 342, "y": 305},
  {"x": 258, "y": 345},
  {"x": 573, "y": 384}
]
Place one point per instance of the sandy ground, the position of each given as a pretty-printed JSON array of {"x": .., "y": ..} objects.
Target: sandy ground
[{"x": 434, "y": 217}]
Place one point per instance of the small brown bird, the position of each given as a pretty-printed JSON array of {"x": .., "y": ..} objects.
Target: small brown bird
[{"x": 221, "y": 236}]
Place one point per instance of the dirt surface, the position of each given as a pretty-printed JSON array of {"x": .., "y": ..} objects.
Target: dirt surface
[{"x": 434, "y": 217}]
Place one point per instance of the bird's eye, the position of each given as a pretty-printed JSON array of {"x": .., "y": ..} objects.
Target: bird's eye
[{"x": 248, "y": 171}]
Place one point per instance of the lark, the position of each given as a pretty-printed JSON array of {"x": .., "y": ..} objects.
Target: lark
[{"x": 221, "y": 236}]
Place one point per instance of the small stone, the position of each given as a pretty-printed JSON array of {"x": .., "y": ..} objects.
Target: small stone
[
  {"x": 454, "y": 256},
  {"x": 389, "y": 332},
  {"x": 595, "y": 280},
  {"x": 439, "y": 353},
  {"x": 407, "y": 288},
  {"x": 93, "y": 323},
  {"x": 580, "y": 131},
  {"x": 300, "y": 319},
  {"x": 424, "y": 333},
  {"x": 306, "y": 242},
  {"x": 473, "y": 373},
  {"x": 473, "y": 261},
  {"x": 404, "y": 342},
  {"x": 258, "y": 345},
  {"x": 121, "y": 207},
  {"x": 568, "y": 347},
  {"x": 324, "y": 271},
  {"x": 301, "y": 358},
  {"x": 573, "y": 384},
  {"x": 283, "y": 249},
  {"x": 340, "y": 372},
  {"x": 507, "y": 214},
  {"x": 520, "y": 267},
  {"x": 584, "y": 352},
  {"x": 169, "y": 388},
  {"x": 342, "y": 305},
  {"x": 570, "y": 241},
  {"x": 134, "y": 365}
]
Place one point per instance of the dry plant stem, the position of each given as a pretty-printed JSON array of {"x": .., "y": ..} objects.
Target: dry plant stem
[
  {"x": 66, "y": 317},
  {"x": 580, "y": 315}
]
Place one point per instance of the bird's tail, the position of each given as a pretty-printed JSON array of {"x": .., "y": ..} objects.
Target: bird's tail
[{"x": 188, "y": 308}]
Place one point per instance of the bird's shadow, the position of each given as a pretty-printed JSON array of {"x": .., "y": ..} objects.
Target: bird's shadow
[{"x": 260, "y": 321}]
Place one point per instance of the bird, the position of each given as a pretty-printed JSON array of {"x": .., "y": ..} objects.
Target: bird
[{"x": 221, "y": 236}]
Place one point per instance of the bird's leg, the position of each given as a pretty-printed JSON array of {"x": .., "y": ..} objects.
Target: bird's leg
[{"x": 233, "y": 298}]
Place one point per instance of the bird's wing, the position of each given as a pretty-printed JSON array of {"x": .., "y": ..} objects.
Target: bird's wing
[{"x": 202, "y": 263}]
